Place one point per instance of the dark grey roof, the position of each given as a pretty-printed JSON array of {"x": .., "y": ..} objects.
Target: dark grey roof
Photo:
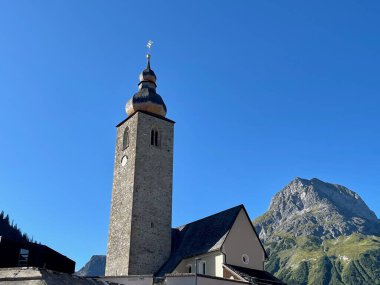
[
  {"x": 148, "y": 72},
  {"x": 39, "y": 276},
  {"x": 148, "y": 95},
  {"x": 199, "y": 237},
  {"x": 151, "y": 114},
  {"x": 254, "y": 276}
]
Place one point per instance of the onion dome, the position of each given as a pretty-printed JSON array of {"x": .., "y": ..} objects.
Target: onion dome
[{"x": 146, "y": 99}]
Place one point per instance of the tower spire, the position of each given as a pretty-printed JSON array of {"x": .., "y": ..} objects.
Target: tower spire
[
  {"x": 146, "y": 99},
  {"x": 148, "y": 61},
  {"x": 149, "y": 46}
]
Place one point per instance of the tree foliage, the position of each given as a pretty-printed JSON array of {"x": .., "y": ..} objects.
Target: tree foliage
[{"x": 10, "y": 230}]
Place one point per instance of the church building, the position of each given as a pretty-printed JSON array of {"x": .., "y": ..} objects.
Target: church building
[
  {"x": 143, "y": 248},
  {"x": 142, "y": 244}
]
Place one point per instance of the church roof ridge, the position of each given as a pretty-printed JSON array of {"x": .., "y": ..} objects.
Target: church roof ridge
[{"x": 240, "y": 206}]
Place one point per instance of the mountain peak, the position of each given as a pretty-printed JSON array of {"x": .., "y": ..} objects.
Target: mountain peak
[
  {"x": 94, "y": 267},
  {"x": 315, "y": 207},
  {"x": 338, "y": 195}
]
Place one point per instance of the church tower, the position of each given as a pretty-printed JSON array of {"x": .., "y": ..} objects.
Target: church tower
[{"x": 139, "y": 240}]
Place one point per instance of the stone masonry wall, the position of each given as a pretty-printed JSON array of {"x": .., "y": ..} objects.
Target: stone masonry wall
[
  {"x": 140, "y": 225},
  {"x": 152, "y": 210},
  {"x": 121, "y": 202}
]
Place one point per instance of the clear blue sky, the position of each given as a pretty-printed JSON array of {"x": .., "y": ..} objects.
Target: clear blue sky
[{"x": 262, "y": 92}]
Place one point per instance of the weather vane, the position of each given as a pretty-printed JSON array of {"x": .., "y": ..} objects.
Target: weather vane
[{"x": 149, "y": 46}]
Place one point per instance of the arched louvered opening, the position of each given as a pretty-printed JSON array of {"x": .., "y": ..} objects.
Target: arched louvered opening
[
  {"x": 154, "y": 138},
  {"x": 126, "y": 138}
]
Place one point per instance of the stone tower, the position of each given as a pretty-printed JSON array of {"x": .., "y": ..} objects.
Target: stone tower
[{"x": 139, "y": 240}]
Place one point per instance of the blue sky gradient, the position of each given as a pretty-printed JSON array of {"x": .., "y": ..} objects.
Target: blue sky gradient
[{"x": 262, "y": 92}]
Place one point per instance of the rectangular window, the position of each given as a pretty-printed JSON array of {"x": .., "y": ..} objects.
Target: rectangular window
[
  {"x": 202, "y": 268},
  {"x": 23, "y": 257}
]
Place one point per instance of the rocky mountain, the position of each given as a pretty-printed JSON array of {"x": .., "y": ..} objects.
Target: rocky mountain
[
  {"x": 313, "y": 207},
  {"x": 320, "y": 233},
  {"x": 94, "y": 267}
]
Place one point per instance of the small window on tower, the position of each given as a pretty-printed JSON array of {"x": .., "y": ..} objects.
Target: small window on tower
[
  {"x": 126, "y": 138},
  {"x": 154, "y": 138}
]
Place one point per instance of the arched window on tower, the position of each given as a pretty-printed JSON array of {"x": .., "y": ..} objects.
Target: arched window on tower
[
  {"x": 154, "y": 138},
  {"x": 126, "y": 138}
]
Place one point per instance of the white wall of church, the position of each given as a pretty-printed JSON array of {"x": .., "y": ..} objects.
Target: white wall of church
[
  {"x": 242, "y": 240},
  {"x": 219, "y": 260},
  {"x": 129, "y": 280},
  {"x": 213, "y": 263},
  {"x": 190, "y": 280}
]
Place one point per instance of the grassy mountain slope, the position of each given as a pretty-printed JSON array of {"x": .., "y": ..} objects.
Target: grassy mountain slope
[
  {"x": 320, "y": 233},
  {"x": 309, "y": 260}
]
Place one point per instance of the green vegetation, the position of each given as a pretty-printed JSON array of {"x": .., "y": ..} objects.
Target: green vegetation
[
  {"x": 353, "y": 259},
  {"x": 264, "y": 217}
]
